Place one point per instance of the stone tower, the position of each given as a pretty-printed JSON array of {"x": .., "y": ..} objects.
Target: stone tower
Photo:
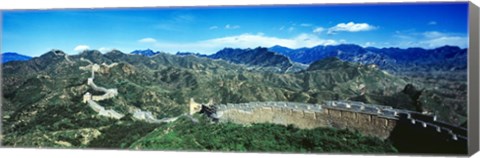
[
  {"x": 86, "y": 97},
  {"x": 194, "y": 106}
]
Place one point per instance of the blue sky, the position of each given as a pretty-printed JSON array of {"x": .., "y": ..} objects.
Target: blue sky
[{"x": 209, "y": 29}]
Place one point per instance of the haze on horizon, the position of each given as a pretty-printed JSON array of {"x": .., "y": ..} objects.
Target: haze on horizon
[{"x": 208, "y": 29}]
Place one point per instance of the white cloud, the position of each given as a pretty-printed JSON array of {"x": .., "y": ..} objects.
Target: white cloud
[
  {"x": 213, "y": 27},
  {"x": 319, "y": 30},
  {"x": 433, "y": 34},
  {"x": 429, "y": 39},
  {"x": 433, "y": 39},
  {"x": 369, "y": 44},
  {"x": 432, "y": 23},
  {"x": 147, "y": 40},
  {"x": 228, "y": 26},
  {"x": 350, "y": 27},
  {"x": 445, "y": 40},
  {"x": 81, "y": 48},
  {"x": 244, "y": 41},
  {"x": 104, "y": 50}
]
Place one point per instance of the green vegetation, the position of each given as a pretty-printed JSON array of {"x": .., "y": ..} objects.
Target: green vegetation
[
  {"x": 122, "y": 134},
  {"x": 205, "y": 136},
  {"x": 42, "y": 102}
]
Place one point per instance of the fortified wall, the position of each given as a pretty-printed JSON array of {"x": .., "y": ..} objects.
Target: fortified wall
[
  {"x": 410, "y": 131},
  {"x": 111, "y": 93},
  {"x": 366, "y": 119}
]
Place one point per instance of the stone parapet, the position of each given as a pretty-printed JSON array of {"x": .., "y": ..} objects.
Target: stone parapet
[{"x": 370, "y": 119}]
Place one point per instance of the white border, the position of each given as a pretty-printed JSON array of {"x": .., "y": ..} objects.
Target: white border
[
  {"x": 48, "y": 4},
  {"x": 67, "y": 4}
]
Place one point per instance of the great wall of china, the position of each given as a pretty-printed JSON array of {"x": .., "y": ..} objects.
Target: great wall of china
[
  {"x": 111, "y": 93},
  {"x": 108, "y": 93},
  {"x": 412, "y": 131}
]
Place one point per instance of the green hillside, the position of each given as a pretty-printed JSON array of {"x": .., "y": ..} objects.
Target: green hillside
[{"x": 42, "y": 98}]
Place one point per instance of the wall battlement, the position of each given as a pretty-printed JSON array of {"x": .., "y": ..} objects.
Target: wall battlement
[
  {"x": 369, "y": 119},
  {"x": 108, "y": 93}
]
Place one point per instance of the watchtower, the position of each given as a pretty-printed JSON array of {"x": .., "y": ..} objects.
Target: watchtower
[
  {"x": 86, "y": 97},
  {"x": 196, "y": 107}
]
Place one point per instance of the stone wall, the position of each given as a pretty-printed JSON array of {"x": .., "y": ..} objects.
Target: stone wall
[
  {"x": 410, "y": 131},
  {"x": 367, "y": 120},
  {"x": 109, "y": 93}
]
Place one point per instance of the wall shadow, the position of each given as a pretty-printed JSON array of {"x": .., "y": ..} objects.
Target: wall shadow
[{"x": 410, "y": 137}]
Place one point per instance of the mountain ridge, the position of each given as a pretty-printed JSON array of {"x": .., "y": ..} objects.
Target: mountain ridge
[
  {"x": 449, "y": 61},
  {"x": 43, "y": 96},
  {"x": 13, "y": 56}
]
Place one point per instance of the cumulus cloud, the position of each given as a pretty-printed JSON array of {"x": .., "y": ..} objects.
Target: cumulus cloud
[
  {"x": 432, "y": 23},
  {"x": 81, "y": 48},
  {"x": 350, "y": 27},
  {"x": 247, "y": 40},
  {"x": 318, "y": 30},
  {"x": 213, "y": 27},
  {"x": 228, "y": 26},
  {"x": 147, "y": 40}
]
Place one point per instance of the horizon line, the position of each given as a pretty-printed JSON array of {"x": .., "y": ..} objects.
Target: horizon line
[{"x": 173, "y": 53}]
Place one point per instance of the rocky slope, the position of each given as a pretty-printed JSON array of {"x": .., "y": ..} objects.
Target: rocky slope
[
  {"x": 441, "y": 72},
  {"x": 255, "y": 59},
  {"x": 406, "y": 62},
  {"x": 259, "y": 57},
  {"x": 42, "y": 98}
]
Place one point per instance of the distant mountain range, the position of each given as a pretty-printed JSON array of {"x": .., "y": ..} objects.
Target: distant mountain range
[
  {"x": 259, "y": 58},
  {"x": 409, "y": 62},
  {"x": 147, "y": 52},
  {"x": 255, "y": 59},
  {"x": 189, "y": 53},
  {"x": 11, "y": 56},
  {"x": 282, "y": 59},
  {"x": 446, "y": 58}
]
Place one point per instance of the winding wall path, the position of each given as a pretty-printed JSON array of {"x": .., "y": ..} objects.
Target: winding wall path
[{"x": 111, "y": 93}]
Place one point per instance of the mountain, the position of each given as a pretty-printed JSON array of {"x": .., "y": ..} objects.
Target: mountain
[
  {"x": 441, "y": 71},
  {"x": 42, "y": 97},
  {"x": 309, "y": 55},
  {"x": 255, "y": 59},
  {"x": 11, "y": 56},
  {"x": 259, "y": 59},
  {"x": 189, "y": 53},
  {"x": 147, "y": 52},
  {"x": 329, "y": 63},
  {"x": 281, "y": 50},
  {"x": 410, "y": 61}
]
